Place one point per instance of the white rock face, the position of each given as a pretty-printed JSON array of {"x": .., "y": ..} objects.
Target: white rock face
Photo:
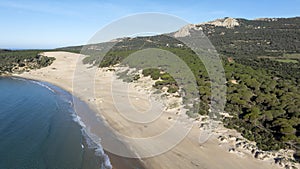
[
  {"x": 227, "y": 22},
  {"x": 185, "y": 31}
]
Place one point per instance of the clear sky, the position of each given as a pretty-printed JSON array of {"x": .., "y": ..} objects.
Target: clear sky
[{"x": 57, "y": 23}]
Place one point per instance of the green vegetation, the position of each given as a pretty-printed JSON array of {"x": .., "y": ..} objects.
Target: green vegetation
[
  {"x": 166, "y": 80},
  {"x": 154, "y": 73},
  {"x": 258, "y": 102},
  {"x": 287, "y": 60},
  {"x": 257, "y": 38},
  {"x": 275, "y": 68},
  {"x": 292, "y": 55},
  {"x": 113, "y": 57},
  {"x": 261, "y": 62},
  {"x": 266, "y": 101},
  {"x": 247, "y": 43},
  {"x": 74, "y": 49},
  {"x": 22, "y": 60}
]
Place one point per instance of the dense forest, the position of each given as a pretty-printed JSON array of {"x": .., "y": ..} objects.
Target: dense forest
[
  {"x": 265, "y": 107},
  {"x": 272, "y": 44},
  {"x": 261, "y": 59},
  {"x": 16, "y": 61},
  {"x": 265, "y": 62},
  {"x": 265, "y": 37}
]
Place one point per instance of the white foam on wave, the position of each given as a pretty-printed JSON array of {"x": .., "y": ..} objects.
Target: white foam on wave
[
  {"x": 106, "y": 163},
  {"x": 93, "y": 142},
  {"x": 20, "y": 79},
  {"x": 77, "y": 119},
  {"x": 43, "y": 85},
  {"x": 35, "y": 82}
]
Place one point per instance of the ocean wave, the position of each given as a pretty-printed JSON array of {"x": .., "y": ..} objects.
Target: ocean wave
[
  {"x": 35, "y": 82},
  {"x": 77, "y": 119},
  {"x": 94, "y": 142},
  {"x": 106, "y": 163},
  {"x": 43, "y": 85}
]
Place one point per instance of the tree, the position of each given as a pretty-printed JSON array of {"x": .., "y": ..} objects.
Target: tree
[{"x": 253, "y": 114}]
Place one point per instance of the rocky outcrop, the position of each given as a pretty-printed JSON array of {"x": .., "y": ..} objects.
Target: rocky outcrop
[
  {"x": 226, "y": 22},
  {"x": 186, "y": 30}
]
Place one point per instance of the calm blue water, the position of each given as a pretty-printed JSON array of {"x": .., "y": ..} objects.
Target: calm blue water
[{"x": 38, "y": 131}]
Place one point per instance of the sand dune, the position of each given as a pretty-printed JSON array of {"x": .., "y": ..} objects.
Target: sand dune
[{"x": 188, "y": 154}]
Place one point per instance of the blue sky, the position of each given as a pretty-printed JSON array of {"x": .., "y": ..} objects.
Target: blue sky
[{"x": 56, "y": 23}]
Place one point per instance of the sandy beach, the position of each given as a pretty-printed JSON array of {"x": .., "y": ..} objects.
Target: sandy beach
[{"x": 187, "y": 154}]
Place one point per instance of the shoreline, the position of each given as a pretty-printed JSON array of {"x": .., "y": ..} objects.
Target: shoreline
[
  {"x": 188, "y": 154},
  {"x": 116, "y": 161}
]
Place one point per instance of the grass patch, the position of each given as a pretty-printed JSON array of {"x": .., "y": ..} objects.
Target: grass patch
[
  {"x": 293, "y": 55},
  {"x": 287, "y": 60}
]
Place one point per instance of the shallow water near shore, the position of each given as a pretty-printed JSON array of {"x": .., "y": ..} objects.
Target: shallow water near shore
[{"x": 39, "y": 129}]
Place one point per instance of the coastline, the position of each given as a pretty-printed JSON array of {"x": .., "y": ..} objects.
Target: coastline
[
  {"x": 66, "y": 84},
  {"x": 187, "y": 154},
  {"x": 119, "y": 162}
]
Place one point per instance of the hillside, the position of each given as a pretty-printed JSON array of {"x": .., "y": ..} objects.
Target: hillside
[
  {"x": 273, "y": 44},
  {"x": 261, "y": 37},
  {"x": 17, "y": 61},
  {"x": 269, "y": 43},
  {"x": 261, "y": 59}
]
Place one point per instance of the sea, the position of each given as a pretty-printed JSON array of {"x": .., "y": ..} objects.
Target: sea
[{"x": 39, "y": 129}]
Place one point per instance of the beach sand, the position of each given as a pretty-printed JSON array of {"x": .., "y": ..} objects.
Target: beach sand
[{"x": 187, "y": 154}]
